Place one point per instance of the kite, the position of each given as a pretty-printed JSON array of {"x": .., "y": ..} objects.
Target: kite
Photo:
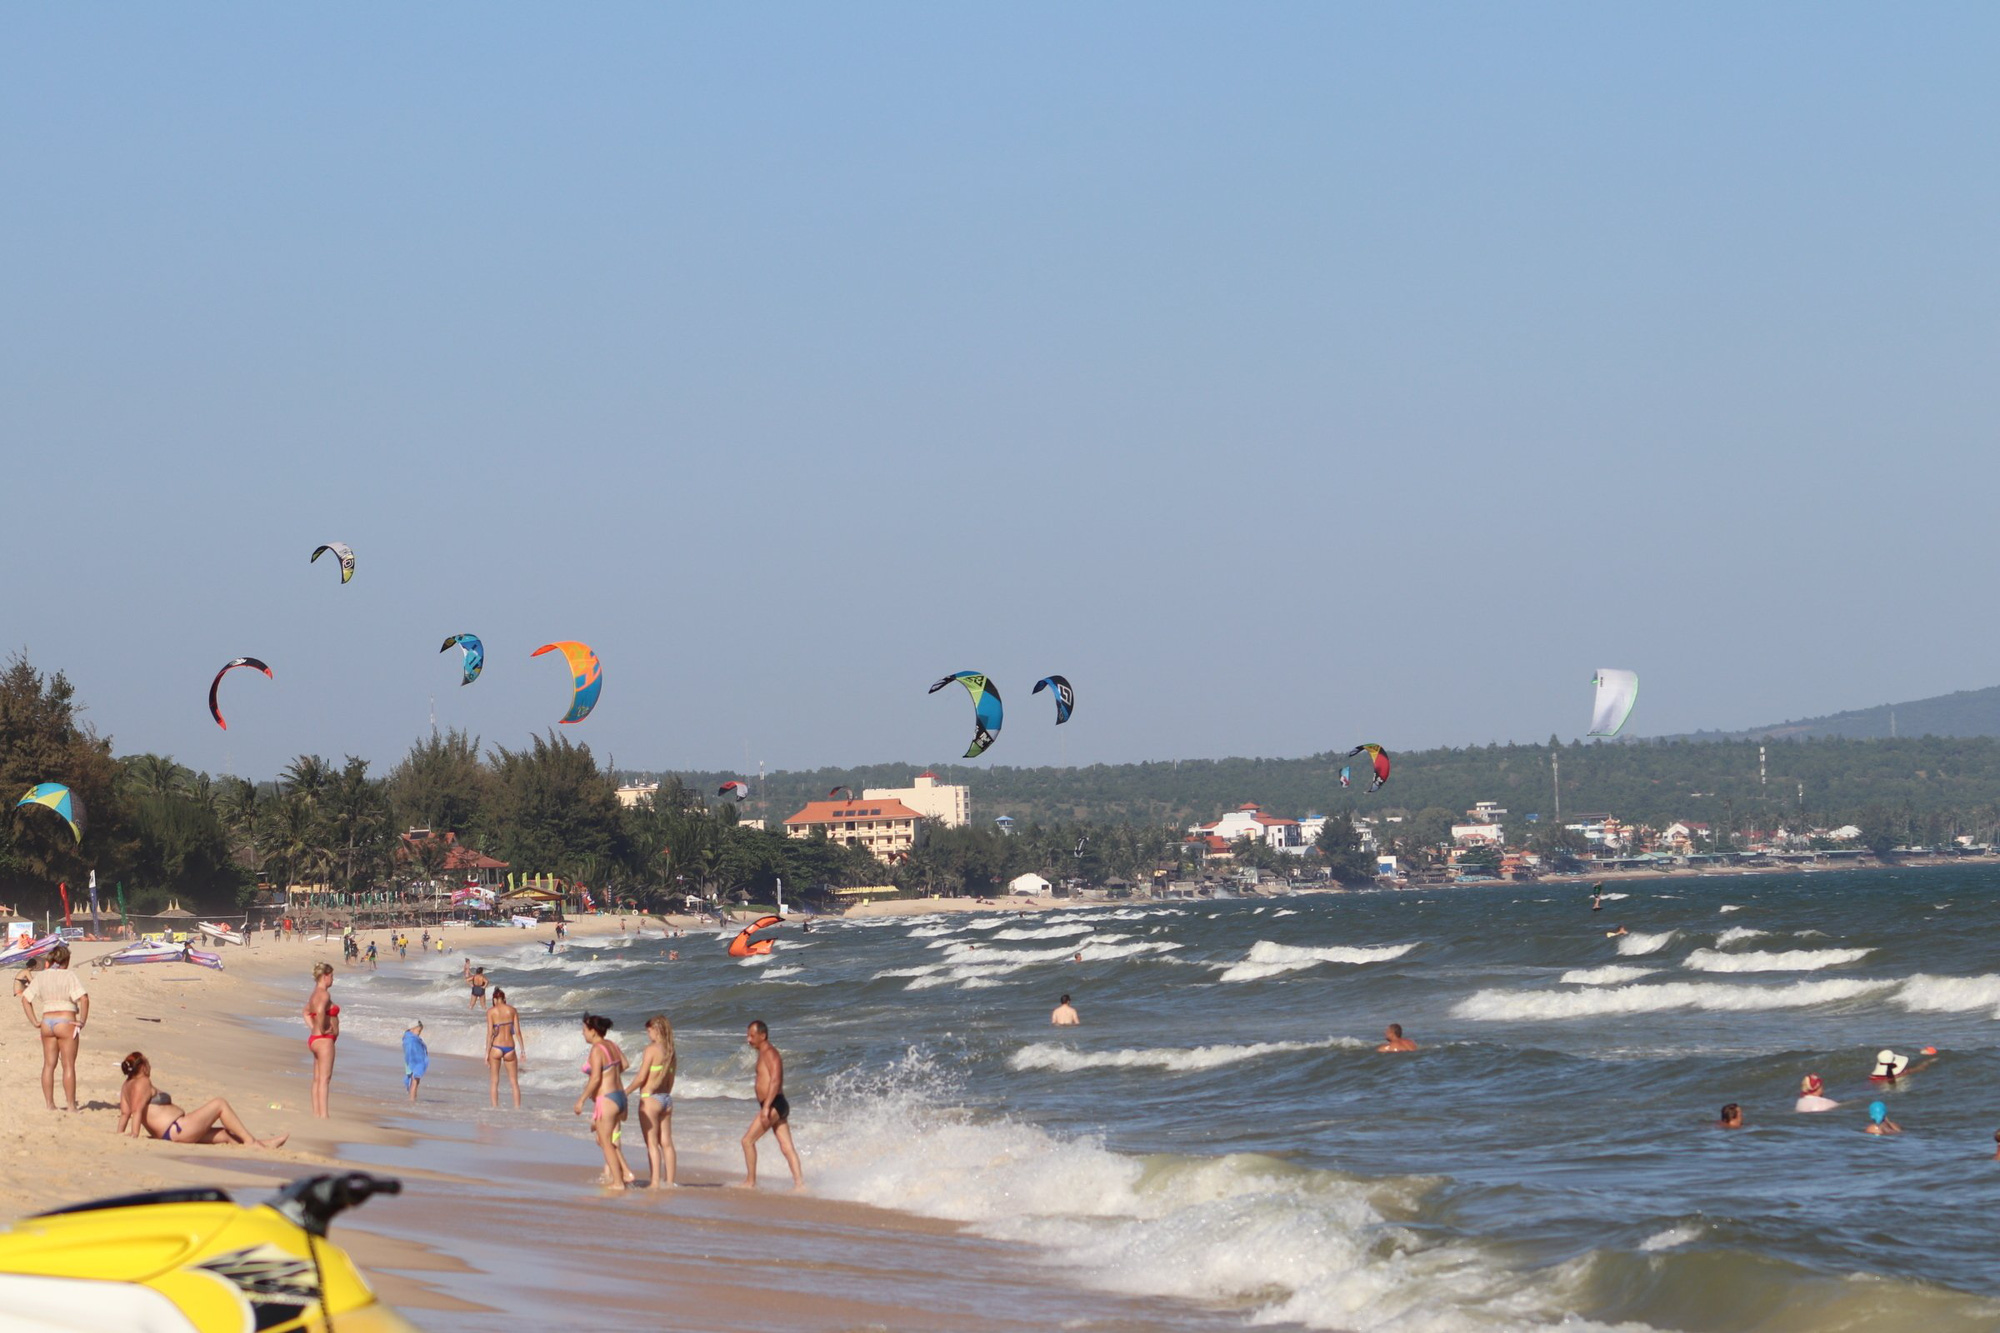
[
  {"x": 1065, "y": 696},
  {"x": 1381, "y": 758},
  {"x": 986, "y": 713},
  {"x": 341, "y": 550},
  {"x": 216, "y": 684},
  {"x": 740, "y": 790},
  {"x": 744, "y": 947},
  {"x": 59, "y": 799},
  {"x": 1617, "y": 691},
  {"x": 586, "y": 674},
  {"x": 838, "y": 790},
  {"x": 1346, "y": 776},
  {"x": 475, "y": 654}
]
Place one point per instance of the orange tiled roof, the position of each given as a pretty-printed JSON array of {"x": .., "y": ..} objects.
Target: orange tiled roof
[{"x": 832, "y": 812}]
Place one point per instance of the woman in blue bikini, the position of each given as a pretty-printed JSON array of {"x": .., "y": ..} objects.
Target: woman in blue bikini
[
  {"x": 653, "y": 1084},
  {"x": 604, "y": 1089},
  {"x": 146, "y": 1110},
  {"x": 505, "y": 1045}
]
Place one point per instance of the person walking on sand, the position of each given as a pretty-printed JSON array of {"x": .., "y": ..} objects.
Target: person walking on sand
[
  {"x": 416, "y": 1057},
  {"x": 1065, "y": 1015},
  {"x": 653, "y": 1085},
  {"x": 475, "y": 977},
  {"x": 1395, "y": 1041},
  {"x": 505, "y": 1045},
  {"x": 604, "y": 1089},
  {"x": 774, "y": 1113},
  {"x": 146, "y": 1110},
  {"x": 371, "y": 955},
  {"x": 322, "y": 1035},
  {"x": 57, "y": 1006}
]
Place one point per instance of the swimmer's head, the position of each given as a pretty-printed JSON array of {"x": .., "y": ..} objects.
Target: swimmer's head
[
  {"x": 1878, "y": 1112},
  {"x": 1811, "y": 1086},
  {"x": 1395, "y": 1032},
  {"x": 1065, "y": 999},
  {"x": 1732, "y": 1114}
]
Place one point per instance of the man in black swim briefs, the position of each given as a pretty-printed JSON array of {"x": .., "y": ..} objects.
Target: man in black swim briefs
[{"x": 774, "y": 1113}]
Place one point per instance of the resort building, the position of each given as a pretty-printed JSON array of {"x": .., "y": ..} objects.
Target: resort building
[
  {"x": 1249, "y": 821},
  {"x": 950, "y": 806},
  {"x": 885, "y": 829}
]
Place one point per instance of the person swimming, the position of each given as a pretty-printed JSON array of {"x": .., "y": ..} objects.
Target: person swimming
[
  {"x": 1395, "y": 1041},
  {"x": 1891, "y": 1067},
  {"x": 1732, "y": 1117},
  {"x": 1812, "y": 1095},
  {"x": 1879, "y": 1121}
]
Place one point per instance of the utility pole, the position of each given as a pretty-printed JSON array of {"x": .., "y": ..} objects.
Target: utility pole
[
  {"x": 1556, "y": 767},
  {"x": 1761, "y": 781}
]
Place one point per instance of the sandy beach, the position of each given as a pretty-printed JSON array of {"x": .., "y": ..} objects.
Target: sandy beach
[{"x": 468, "y": 1244}]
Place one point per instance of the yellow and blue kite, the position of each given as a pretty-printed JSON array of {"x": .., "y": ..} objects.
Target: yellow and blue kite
[
  {"x": 59, "y": 799},
  {"x": 986, "y": 712}
]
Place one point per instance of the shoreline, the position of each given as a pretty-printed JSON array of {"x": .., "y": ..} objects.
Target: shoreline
[{"x": 469, "y": 1238}]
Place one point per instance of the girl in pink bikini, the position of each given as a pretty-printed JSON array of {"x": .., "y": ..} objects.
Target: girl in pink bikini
[
  {"x": 604, "y": 1089},
  {"x": 322, "y": 1034}
]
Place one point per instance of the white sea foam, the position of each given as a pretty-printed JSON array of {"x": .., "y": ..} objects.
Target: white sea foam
[
  {"x": 1786, "y": 960},
  {"x": 1924, "y": 994},
  {"x": 1713, "y": 996},
  {"x": 1276, "y": 1241},
  {"x": 773, "y": 973},
  {"x": 1045, "y": 932},
  {"x": 1670, "y": 1239},
  {"x": 1636, "y": 945},
  {"x": 932, "y": 932},
  {"x": 1736, "y": 933},
  {"x": 1729, "y": 907},
  {"x": 1180, "y": 1060},
  {"x": 1609, "y": 975},
  {"x": 1616, "y": 897},
  {"x": 1269, "y": 959},
  {"x": 1283, "y": 911}
]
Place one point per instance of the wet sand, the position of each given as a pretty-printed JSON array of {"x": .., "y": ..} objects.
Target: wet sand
[{"x": 500, "y": 1226}]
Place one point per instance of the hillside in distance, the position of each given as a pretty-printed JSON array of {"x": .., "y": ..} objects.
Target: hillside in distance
[
  {"x": 1815, "y": 781},
  {"x": 1964, "y": 713}
]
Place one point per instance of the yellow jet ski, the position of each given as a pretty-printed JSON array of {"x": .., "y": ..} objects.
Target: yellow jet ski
[{"x": 193, "y": 1261}]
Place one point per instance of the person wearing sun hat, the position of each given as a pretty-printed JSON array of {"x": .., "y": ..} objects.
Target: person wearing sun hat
[
  {"x": 1890, "y": 1067},
  {"x": 1812, "y": 1095}
]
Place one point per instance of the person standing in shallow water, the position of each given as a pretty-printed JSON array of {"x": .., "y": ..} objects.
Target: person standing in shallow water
[
  {"x": 774, "y": 1113},
  {"x": 506, "y": 1046},
  {"x": 1065, "y": 1015}
]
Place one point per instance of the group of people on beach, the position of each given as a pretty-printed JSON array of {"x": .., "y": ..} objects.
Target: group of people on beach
[
  {"x": 611, "y": 1084},
  {"x": 56, "y": 1002}
]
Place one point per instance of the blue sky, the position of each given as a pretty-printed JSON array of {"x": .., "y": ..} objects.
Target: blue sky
[{"x": 1286, "y": 376}]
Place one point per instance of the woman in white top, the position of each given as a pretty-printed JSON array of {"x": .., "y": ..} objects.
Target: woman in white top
[
  {"x": 57, "y": 1007},
  {"x": 1812, "y": 1095}
]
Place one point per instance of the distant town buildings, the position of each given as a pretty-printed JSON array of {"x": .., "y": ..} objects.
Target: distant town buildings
[
  {"x": 1294, "y": 836},
  {"x": 885, "y": 829},
  {"x": 632, "y": 793},
  {"x": 950, "y": 806}
]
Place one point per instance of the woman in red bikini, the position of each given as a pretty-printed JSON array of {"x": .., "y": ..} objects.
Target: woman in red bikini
[
  {"x": 322, "y": 1035},
  {"x": 146, "y": 1110}
]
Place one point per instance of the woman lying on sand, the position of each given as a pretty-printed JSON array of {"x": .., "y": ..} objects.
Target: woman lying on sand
[{"x": 146, "y": 1108}]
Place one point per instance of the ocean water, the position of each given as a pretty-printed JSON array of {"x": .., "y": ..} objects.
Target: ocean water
[{"x": 1222, "y": 1131}]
